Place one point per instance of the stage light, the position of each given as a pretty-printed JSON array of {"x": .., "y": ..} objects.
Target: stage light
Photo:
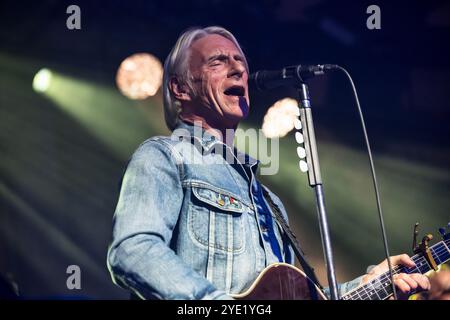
[
  {"x": 139, "y": 76},
  {"x": 280, "y": 118},
  {"x": 101, "y": 109},
  {"x": 42, "y": 80}
]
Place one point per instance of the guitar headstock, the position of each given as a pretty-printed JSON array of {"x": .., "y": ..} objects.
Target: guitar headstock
[{"x": 445, "y": 232}]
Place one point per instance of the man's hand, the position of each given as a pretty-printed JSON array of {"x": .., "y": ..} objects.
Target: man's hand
[{"x": 405, "y": 283}]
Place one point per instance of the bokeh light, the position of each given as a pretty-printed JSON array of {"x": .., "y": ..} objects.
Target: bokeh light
[
  {"x": 139, "y": 76},
  {"x": 280, "y": 118}
]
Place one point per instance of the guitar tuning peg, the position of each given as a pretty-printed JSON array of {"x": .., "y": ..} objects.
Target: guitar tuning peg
[
  {"x": 442, "y": 232},
  {"x": 415, "y": 247},
  {"x": 445, "y": 232}
]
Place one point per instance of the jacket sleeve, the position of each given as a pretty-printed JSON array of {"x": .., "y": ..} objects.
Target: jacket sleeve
[{"x": 140, "y": 258}]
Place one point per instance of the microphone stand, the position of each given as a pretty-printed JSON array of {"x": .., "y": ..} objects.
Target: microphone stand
[{"x": 315, "y": 181}]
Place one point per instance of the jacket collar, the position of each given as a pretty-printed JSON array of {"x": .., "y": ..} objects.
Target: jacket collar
[
  {"x": 194, "y": 132},
  {"x": 198, "y": 135}
]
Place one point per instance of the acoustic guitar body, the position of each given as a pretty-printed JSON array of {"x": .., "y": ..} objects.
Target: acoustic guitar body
[{"x": 282, "y": 281}]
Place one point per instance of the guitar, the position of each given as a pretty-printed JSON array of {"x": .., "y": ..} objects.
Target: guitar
[{"x": 282, "y": 281}]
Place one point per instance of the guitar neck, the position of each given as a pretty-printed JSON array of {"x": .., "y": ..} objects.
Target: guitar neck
[{"x": 380, "y": 288}]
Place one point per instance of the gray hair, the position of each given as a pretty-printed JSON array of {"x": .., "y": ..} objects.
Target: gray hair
[{"x": 177, "y": 65}]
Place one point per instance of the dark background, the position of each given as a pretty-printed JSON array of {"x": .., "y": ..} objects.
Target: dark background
[{"x": 62, "y": 154}]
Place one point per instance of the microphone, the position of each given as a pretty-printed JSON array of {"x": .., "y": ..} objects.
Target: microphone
[{"x": 265, "y": 80}]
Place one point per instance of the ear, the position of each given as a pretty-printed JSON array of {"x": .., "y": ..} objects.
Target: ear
[{"x": 179, "y": 90}]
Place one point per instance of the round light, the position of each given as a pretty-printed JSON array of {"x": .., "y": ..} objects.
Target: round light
[
  {"x": 301, "y": 152},
  {"x": 280, "y": 118},
  {"x": 297, "y": 124},
  {"x": 42, "y": 80},
  {"x": 299, "y": 137},
  {"x": 139, "y": 76},
  {"x": 303, "y": 166}
]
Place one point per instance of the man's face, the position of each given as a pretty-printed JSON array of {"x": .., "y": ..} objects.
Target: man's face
[{"x": 220, "y": 80}]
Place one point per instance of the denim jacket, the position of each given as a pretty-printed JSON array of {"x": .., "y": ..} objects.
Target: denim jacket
[{"x": 187, "y": 223}]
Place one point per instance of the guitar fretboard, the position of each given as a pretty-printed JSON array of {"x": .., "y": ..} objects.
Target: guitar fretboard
[{"x": 380, "y": 288}]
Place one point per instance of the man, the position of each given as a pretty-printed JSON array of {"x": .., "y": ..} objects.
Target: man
[{"x": 190, "y": 223}]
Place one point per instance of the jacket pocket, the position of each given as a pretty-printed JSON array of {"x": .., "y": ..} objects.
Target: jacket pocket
[{"x": 215, "y": 219}]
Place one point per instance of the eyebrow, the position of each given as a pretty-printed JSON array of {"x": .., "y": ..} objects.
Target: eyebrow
[{"x": 222, "y": 56}]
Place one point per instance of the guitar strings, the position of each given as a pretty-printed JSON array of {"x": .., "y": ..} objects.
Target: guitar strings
[{"x": 376, "y": 288}]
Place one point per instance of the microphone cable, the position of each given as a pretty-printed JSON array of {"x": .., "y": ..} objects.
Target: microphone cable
[{"x": 374, "y": 177}]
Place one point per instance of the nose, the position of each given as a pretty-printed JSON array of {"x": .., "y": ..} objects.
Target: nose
[{"x": 237, "y": 69}]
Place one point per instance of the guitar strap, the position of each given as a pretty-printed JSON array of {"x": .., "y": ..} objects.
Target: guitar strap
[{"x": 292, "y": 239}]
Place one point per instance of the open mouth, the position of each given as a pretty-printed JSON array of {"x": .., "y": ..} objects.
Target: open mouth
[{"x": 238, "y": 91}]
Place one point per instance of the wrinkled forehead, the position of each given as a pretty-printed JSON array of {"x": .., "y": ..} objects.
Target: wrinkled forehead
[{"x": 212, "y": 45}]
